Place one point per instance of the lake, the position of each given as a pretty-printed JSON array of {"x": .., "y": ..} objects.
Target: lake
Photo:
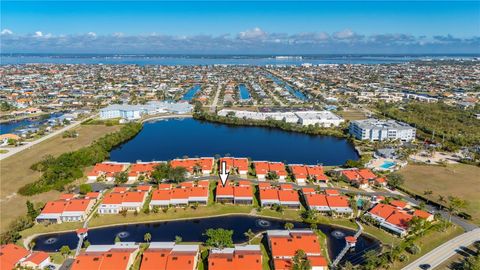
[
  {"x": 192, "y": 230},
  {"x": 175, "y": 138}
]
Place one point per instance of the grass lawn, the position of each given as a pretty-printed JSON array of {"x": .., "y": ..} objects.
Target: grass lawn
[
  {"x": 57, "y": 258},
  {"x": 15, "y": 170},
  {"x": 458, "y": 180},
  {"x": 430, "y": 241},
  {"x": 352, "y": 115}
]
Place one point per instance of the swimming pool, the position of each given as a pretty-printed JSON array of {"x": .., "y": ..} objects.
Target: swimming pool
[{"x": 387, "y": 165}]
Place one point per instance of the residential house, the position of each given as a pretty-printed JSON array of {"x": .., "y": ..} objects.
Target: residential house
[
  {"x": 283, "y": 245},
  {"x": 202, "y": 166},
  {"x": 119, "y": 256},
  {"x": 239, "y": 257},
  {"x": 236, "y": 165},
  {"x": 108, "y": 170},
  {"x": 170, "y": 256}
]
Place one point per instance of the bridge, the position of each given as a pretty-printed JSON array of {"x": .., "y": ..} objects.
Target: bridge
[{"x": 347, "y": 245}]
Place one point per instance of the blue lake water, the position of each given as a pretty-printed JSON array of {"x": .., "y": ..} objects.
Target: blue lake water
[
  {"x": 290, "y": 89},
  {"x": 191, "y": 92},
  {"x": 244, "y": 93},
  {"x": 175, "y": 138},
  {"x": 12, "y": 126},
  {"x": 192, "y": 231}
]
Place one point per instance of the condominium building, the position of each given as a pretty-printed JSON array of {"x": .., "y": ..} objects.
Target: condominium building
[{"x": 379, "y": 130}]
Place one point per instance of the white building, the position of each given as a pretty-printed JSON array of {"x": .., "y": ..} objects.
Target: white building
[
  {"x": 305, "y": 118},
  {"x": 132, "y": 112},
  {"x": 379, "y": 130}
]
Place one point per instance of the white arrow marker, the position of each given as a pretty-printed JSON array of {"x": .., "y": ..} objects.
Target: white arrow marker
[{"x": 223, "y": 173}]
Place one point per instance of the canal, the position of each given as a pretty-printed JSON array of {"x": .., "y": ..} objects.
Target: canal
[{"x": 191, "y": 92}]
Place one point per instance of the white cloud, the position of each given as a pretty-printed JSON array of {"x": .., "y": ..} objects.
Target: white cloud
[
  {"x": 345, "y": 34},
  {"x": 38, "y": 34},
  {"x": 6, "y": 32},
  {"x": 255, "y": 33},
  {"x": 91, "y": 34}
]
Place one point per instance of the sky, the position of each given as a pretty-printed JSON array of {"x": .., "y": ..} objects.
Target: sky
[{"x": 240, "y": 27}]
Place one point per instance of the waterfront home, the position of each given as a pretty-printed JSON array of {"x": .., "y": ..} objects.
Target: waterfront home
[
  {"x": 264, "y": 169},
  {"x": 239, "y": 257},
  {"x": 106, "y": 170},
  {"x": 236, "y": 165},
  {"x": 339, "y": 205},
  {"x": 379, "y": 130},
  {"x": 333, "y": 203},
  {"x": 283, "y": 245},
  {"x": 317, "y": 202},
  {"x": 116, "y": 202},
  {"x": 170, "y": 256},
  {"x": 141, "y": 169},
  {"x": 6, "y": 138},
  {"x": 361, "y": 178},
  {"x": 13, "y": 256},
  {"x": 302, "y": 173},
  {"x": 239, "y": 193},
  {"x": 119, "y": 256},
  {"x": 66, "y": 209},
  {"x": 195, "y": 166},
  {"x": 224, "y": 194},
  {"x": 183, "y": 195},
  {"x": 283, "y": 195}
]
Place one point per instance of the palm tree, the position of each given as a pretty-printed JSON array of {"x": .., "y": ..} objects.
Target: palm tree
[
  {"x": 250, "y": 235},
  {"x": 300, "y": 261},
  {"x": 454, "y": 205},
  {"x": 289, "y": 226},
  {"x": 442, "y": 201},
  {"x": 427, "y": 193},
  {"x": 147, "y": 237}
]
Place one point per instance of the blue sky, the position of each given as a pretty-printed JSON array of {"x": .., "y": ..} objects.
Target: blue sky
[{"x": 228, "y": 26}]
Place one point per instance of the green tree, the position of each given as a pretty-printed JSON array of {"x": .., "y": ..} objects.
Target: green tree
[
  {"x": 178, "y": 174},
  {"x": 147, "y": 237},
  {"x": 86, "y": 244},
  {"x": 65, "y": 251},
  {"x": 161, "y": 172},
  {"x": 121, "y": 177},
  {"x": 85, "y": 188},
  {"x": 32, "y": 213},
  {"x": 250, "y": 235},
  {"x": 395, "y": 180},
  {"x": 454, "y": 206},
  {"x": 219, "y": 238},
  {"x": 427, "y": 193},
  {"x": 300, "y": 261},
  {"x": 178, "y": 239},
  {"x": 288, "y": 226}
]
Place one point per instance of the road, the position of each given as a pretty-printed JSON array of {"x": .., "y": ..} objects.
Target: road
[
  {"x": 215, "y": 99},
  {"x": 437, "y": 256},
  {"x": 13, "y": 151}
]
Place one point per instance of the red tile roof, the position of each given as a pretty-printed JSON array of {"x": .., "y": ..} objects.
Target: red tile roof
[
  {"x": 37, "y": 257},
  {"x": 399, "y": 219},
  {"x": 10, "y": 254},
  {"x": 382, "y": 210},
  {"x": 286, "y": 246},
  {"x": 250, "y": 260},
  {"x": 109, "y": 169},
  {"x": 338, "y": 201}
]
